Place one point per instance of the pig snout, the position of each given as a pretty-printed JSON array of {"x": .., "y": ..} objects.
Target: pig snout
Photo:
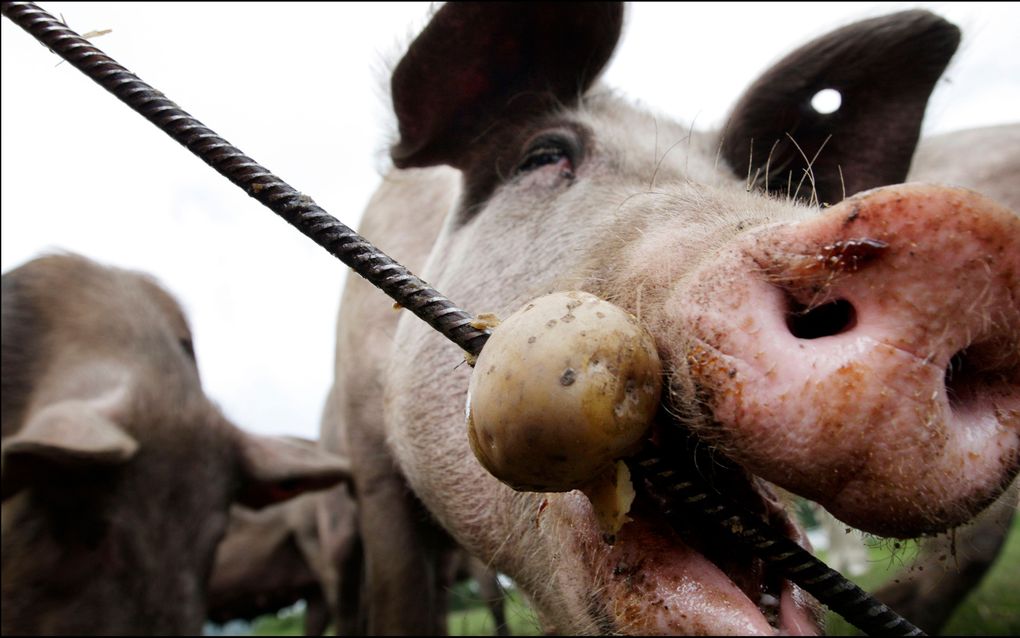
[{"x": 868, "y": 358}]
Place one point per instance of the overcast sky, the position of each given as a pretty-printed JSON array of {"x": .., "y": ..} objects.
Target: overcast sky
[{"x": 296, "y": 87}]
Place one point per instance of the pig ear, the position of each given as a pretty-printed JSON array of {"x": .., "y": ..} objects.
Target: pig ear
[
  {"x": 478, "y": 62},
  {"x": 70, "y": 435},
  {"x": 274, "y": 469},
  {"x": 884, "y": 70}
]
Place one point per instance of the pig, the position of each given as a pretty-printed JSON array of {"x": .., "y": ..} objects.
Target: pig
[
  {"x": 341, "y": 566},
  {"x": 828, "y": 326},
  {"x": 118, "y": 470},
  {"x": 273, "y": 558},
  {"x": 267, "y": 561}
]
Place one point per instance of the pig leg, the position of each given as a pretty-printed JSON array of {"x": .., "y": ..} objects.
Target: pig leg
[
  {"x": 490, "y": 591},
  {"x": 312, "y": 548},
  {"x": 341, "y": 571},
  {"x": 350, "y": 612},
  {"x": 399, "y": 551},
  {"x": 316, "y": 614},
  {"x": 400, "y": 583}
]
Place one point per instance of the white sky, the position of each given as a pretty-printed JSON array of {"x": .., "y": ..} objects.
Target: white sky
[{"x": 296, "y": 87}]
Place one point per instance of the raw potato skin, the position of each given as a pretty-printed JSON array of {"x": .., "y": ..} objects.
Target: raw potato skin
[{"x": 564, "y": 387}]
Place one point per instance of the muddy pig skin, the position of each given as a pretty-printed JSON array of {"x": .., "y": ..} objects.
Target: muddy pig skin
[
  {"x": 835, "y": 331},
  {"x": 118, "y": 471}
]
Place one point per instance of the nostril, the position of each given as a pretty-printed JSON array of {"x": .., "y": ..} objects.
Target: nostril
[
  {"x": 826, "y": 320},
  {"x": 958, "y": 378},
  {"x": 977, "y": 370}
]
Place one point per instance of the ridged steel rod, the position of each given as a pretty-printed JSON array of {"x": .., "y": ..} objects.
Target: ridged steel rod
[{"x": 404, "y": 287}]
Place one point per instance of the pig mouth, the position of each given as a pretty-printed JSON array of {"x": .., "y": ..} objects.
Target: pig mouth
[{"x": 690, "y": 577}]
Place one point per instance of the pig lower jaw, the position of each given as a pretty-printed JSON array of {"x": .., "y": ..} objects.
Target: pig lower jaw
[
  {"x": 669, "y": 575},
  {"x": 664, "y": 580}
]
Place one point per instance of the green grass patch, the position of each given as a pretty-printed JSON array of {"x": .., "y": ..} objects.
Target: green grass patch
[
  {"x": 289, "y": 622},
  {"x": 477, "y": 621}
]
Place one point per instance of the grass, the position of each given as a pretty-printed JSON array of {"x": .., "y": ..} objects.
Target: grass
[
  {"x": 993, "y": 609},
  {"x": 477, "y": 621},
  {"x": 287, "y": 622}
]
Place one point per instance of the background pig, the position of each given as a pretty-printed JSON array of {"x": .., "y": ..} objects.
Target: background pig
[
  {"x": 267, "y": 561},
  {"x": 715, "y": 240},
  {"x": 118, "y": 471},
  {"x": 272, "y": 558}
]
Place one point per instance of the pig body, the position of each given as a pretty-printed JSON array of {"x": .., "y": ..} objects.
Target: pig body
[
  {"x": 118, "y": 471},
  {"x": 564, "y": 185}
]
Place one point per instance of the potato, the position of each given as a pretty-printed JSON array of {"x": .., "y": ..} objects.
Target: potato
[
  {"x": 564, "y": 387},
  {"x": 611, "y": 495}
]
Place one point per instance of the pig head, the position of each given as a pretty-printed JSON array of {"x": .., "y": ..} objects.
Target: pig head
[
  {"x": 267, "y": 561},
  {"x": 118, "y": 471},
  {"x": 305, "y": 548},
  {"x": 862, "y": 352}
]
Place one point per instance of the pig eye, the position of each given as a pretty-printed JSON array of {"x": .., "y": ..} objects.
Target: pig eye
[
  {"x": 542, "y": 156},
  {"x": 188, "y": 347},
  {"x": 549, "y": 150}
]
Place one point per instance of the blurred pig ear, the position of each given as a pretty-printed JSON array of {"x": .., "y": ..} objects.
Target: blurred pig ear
[
  {"x": 274, "y": 469},
  {"x": 478, "y": 63},
  {"x": 884, "y": 70},
  {"x": 70, "y": 435}
]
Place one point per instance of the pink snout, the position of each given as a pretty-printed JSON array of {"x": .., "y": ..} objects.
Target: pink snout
[{"x": 869, "y": 358}]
